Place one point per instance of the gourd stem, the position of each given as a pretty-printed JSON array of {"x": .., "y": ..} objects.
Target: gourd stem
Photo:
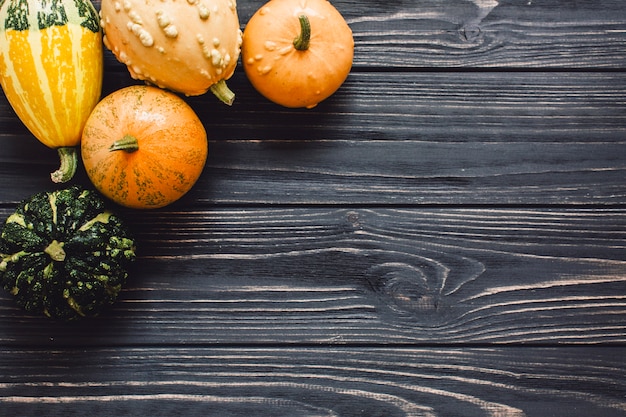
[
  {"x": 222, "y": 92},
  {"x": 69, "y": 161},
  {"x": 55, "y": 251},
  {"x": 127, "y": 144},
  {"x": 301, "y": 42}
]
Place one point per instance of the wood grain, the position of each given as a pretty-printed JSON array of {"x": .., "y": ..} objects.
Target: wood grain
[
  {"x": 481, "y": 33},
  {"x": 419, "y": 173},
  {"x": 445, "y": 138},
  {"x": 443, "y": 106},
  {"x": 361, "y": 276},
  {"x": 446, "y": 106},
  {"x": 512, "y": 382},
  {"x": 444, "y": 236},
  {"x": 488, "y": 34}
]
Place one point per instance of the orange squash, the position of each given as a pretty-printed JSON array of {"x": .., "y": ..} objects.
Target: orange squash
[
  {"x": 297, "y": 53},
  {"x": 189, "y": 46},
  {"x": 143, "y": 147}
]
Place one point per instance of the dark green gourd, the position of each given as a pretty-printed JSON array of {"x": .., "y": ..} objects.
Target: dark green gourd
[{"x": 62, "y": 254}]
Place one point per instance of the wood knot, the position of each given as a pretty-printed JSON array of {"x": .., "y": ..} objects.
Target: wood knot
[
  {"x": 404, "y": 288},
  {"x": 353, "y": 219},
  {"x": 470, "y": 33}
]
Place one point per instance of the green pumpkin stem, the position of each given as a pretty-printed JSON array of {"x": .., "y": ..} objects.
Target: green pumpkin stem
[
  {"x": 69, "y": 161},
  {"x": 222, "y": 92},
  {"x": 127, "y": 144},
  {"x": 301, "y": 42}
]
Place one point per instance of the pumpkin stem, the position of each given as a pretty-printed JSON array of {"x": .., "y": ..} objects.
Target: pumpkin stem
[
  {"x": 301, "y": 42},
  {"x": 127, "y": 144},
  {"x": 221, "y": 91},
  {"x": 69, "y": 162},
  {"x": 55, "y": 250}
]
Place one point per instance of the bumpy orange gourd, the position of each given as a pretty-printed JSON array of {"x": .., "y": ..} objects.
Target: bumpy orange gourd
[
  {"x": 297, "y": 53},
  {"x": 189, "y": 46},
  {"x": 143, "y": 147}
]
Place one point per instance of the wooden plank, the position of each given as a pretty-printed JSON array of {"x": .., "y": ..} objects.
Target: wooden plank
[
  {"x": 430, "y": 241},
  {"x": 479, "y": 138},
  {"x": 385, "y": 173},
  {"x": 372, "y": 276},
  {"x": 445, "y": 107},
  {"x": 481, "y": 34},
  {"x": 488, "y": 34},
  {"x": 441, "y": 106},
  {"x": 413, "y": 173},
  {"x": 516, "y": 382}
]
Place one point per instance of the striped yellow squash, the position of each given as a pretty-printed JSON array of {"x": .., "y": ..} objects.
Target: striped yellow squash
[{"x": 51, "y": 67}]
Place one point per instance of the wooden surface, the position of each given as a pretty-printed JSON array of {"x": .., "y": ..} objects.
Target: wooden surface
[{"x": 445, "y": 236}]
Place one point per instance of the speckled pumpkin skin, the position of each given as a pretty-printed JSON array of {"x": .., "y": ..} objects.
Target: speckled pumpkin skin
[
  {"x": 186, "y": 46},
  {"x": 172, "y": 147},
  {"x": 285, "y": 75}
]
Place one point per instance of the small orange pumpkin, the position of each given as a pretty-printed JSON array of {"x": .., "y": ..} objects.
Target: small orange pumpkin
[
  {"x": 297, "y": 53},
  {"x": 143, "y": 147}
]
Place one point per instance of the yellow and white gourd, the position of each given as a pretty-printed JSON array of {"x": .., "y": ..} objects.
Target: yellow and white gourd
[{"x": 51, "y": 64}]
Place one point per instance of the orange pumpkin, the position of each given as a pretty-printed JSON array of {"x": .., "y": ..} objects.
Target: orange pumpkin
[
  {"x": 143, "y": 147},
  {"x": 297, "y": 53}
]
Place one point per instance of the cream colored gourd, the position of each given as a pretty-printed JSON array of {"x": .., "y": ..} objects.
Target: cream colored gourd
[
  {"x": 188, "y": 46},
  {"x": 51, "y": 70}
]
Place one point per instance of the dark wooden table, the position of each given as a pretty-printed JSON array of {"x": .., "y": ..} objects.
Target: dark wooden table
[{"x": 445, "y": 236}]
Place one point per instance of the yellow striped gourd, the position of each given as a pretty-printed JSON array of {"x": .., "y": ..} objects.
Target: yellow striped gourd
[{"x": 51, "y": 65}]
